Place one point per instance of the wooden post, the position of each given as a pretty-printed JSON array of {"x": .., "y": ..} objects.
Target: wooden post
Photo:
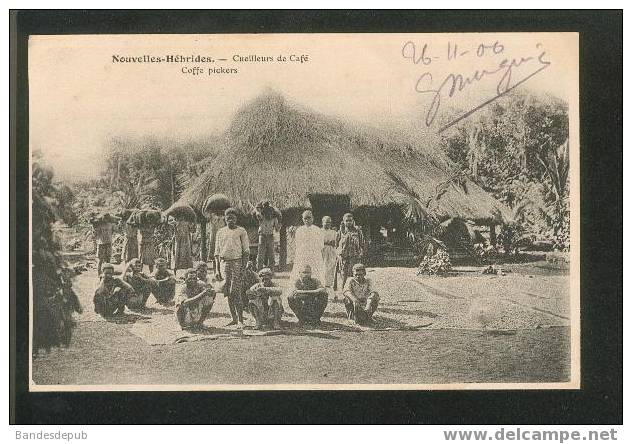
[
  {"x": 282, "y": 247},
  {"x": 492, "y": 234},
  {"x": 203, "y": 246}
]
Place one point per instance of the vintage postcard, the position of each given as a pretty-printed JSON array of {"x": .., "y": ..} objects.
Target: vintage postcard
[{"x": 304, "y": 211}]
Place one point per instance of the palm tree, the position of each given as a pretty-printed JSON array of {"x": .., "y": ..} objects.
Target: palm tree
[
  {"x": 421, "y": 214},
  {"x": 557, "y": 165}
]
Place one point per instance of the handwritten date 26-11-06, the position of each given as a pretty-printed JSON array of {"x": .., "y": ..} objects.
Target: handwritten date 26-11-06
[{"x": 511, "y": 72}]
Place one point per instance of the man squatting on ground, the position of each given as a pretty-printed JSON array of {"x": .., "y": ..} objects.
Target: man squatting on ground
[
  {"x": 359, "y": 297},
  {"x": 140, "y": 282},
  {"x": 308, "y": 299},
  {"x": 265, "y": 301},
  {"x": 112, "y": 294},
  {"x": 202, "y": 271},
  {"x": 194, "y": 301},
  {"x": 248, "y": 278},
  {"x": 232, "y": 249},
  {"x": 163, "y": 283}
]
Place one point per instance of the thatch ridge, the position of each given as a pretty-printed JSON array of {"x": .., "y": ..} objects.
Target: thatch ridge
[{"x": 282, "y": 152}]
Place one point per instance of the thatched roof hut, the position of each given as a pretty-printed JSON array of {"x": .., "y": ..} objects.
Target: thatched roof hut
[{"x": 280, "y": 152}]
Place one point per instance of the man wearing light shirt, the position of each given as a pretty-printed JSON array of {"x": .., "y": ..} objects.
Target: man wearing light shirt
[{"x": 232, "y": 249}]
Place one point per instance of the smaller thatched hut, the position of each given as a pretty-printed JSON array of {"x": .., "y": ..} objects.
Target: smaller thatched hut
[{"x": 298, "y": 159}]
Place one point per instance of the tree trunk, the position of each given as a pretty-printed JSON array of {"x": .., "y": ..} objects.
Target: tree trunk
[
  {"x": 203, "y": 246},
  {"x": 492, "y": 234},
  {"x": 282, "y": 247},
  {"x": 118, "y": 172},
  {"x": 173, "y": 186},
  {"x": 473, "y": 150}
]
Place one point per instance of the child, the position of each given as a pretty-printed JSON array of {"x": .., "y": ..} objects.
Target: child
[
  {"x": 194, "y": 301},
  {"x": 232, "y": 249},
  {"x": 265, "y": 301},
  {"x": 309, "y": 298},
  {"x": 112, "y": 293},
  {"x": 163, "y": 283},
  {"x": 359, "y": 297}
]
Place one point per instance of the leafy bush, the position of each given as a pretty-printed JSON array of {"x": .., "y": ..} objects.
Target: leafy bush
[
  {"x": 511, "y": 234},
  {"x": 54, "y": 300},
  {"x": 486, "y": 252},
  {"x": 437, "y": 264}
]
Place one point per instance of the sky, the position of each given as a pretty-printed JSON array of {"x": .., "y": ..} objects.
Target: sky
[{"x": 79, "y": 97}]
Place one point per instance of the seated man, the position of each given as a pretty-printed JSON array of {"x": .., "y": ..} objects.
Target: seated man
[
  {"x": 194, "y": 301},
  {"x": 265, "y": 301},
  {"x": 202, "y": 271},
  {"x": 249, "y": 278},
  {"x": 163, "y": 283},
  {"x": 308, "y": 299},
  {"x": 359, "y": 298},
  {"x": 140, "y": 282},
  {"x": 112, "y": 294}
]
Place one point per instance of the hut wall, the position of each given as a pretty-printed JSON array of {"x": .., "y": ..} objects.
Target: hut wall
[{"x": 332, "y": 205}]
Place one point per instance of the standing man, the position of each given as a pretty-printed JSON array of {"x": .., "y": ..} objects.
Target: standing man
[
  {"x": 329, "y": 255},
  {"x": 349, "y": 247},
  {"x": 268, "y": 224},
  {"x": 103, "y": 230},
  {"x": 147, "y": 246},
  {"x": 232, "y": 249}
]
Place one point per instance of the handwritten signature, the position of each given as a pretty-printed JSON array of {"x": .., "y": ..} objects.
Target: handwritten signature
[{"x": 454, "y": 83}]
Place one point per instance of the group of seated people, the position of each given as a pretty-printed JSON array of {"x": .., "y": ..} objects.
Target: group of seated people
[{"x": 262, "y": 297}]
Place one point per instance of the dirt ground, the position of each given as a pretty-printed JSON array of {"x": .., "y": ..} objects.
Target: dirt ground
[{"x": 464, "y": 328}]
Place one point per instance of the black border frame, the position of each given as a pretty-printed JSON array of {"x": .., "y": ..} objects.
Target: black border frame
[{"x": 600, "y": 400}]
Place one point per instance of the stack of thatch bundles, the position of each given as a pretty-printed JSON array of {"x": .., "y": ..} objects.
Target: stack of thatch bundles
[
  {"x": 215, "y": 204},
  {"x": 182, "y": 212},
  {"x": 104, "y": 218},
  {"x": 146, "y": 217}
]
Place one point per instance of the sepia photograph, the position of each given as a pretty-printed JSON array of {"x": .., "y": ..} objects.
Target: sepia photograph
[{"x": 336, "y": 211}]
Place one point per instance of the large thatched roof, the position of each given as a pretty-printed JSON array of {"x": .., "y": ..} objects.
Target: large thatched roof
[{"x": 277, "y": 151}]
